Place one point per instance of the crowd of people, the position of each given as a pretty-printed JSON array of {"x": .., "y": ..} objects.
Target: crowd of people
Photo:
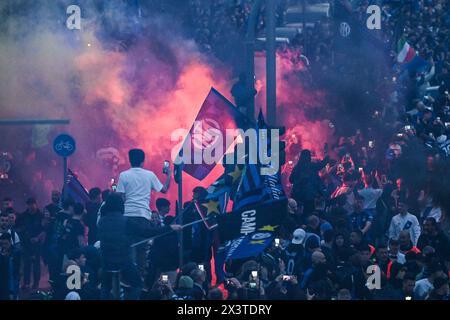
[
  {"x": 341, "y": 221},
  {"x": 377, "y": 201}
]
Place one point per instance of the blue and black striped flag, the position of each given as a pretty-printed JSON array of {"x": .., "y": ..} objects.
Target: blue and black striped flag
[{"x": 255, "y": 188}]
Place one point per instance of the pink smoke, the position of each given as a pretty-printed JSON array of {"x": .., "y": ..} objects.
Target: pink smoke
[
  {"x": 295, "y": 100},
  {"x": 145, "y": 103}
]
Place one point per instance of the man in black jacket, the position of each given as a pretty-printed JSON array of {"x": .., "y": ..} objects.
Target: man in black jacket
[
  {"x": 32, "y": 235},
  {"x": 163, "y": 253},
  {"x": 114, "y": 233},
  {"x": 199, "y": 278},
  {"x": 433, "y": 237},
  {"x": 307, "y": 184},
  {"x": 92, "y": 207}
]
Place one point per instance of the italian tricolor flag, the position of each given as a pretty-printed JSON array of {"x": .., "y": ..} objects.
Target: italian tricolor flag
[{"x": 405, "y": 52}]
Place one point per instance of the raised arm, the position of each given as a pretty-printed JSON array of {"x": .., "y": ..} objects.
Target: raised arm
[{"x": 166, "y": 185}]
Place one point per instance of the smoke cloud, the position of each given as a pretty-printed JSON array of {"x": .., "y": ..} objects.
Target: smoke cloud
[
  {"x": 122, "y": 85},
  {"x": 116, "y": 94}
]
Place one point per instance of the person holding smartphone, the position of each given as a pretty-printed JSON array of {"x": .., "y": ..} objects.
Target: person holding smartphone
[
  {"x": 372, "y": 191},
  {"x": 136, "y": 185}
]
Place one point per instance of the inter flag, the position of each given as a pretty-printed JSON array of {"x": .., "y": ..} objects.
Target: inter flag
[
  {"x": 247, "y": 221},
  {"x": 250, "y": 189},
  {"x": 208, "y": 134},
  {"x": 346, "y": 26},
  {"x": 251, "y": 245},
  {"x": 255, "y": 188},
  {"x": 243, "y": 247},
  {"x": 75, "y": 189}
]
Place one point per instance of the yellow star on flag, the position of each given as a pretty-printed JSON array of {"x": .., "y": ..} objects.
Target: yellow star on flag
[
  {"x": 212, "y": 206},
  {"x": 236, "y": 173},
  {"x": 257, "y": 242},
  {"x": 268, "y": 228}
]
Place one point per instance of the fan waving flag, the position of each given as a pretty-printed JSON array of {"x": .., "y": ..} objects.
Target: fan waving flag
[{"x": 206, "y": 143}]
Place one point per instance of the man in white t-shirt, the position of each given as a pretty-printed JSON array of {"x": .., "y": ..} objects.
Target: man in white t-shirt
[
  {"x": 137, "y": 184},
  {"x": 370, "y": 194}
]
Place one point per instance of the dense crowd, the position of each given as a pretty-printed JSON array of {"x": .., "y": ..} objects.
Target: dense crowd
[{"x": 377, "y": 201}]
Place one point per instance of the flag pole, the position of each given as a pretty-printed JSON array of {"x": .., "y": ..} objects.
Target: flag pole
[
  {"x": 179, "y": 181},
  {"x": 166, "y": 233},
  {"x": 271, "y": 78},
  {"x": 65, "y": 178}
]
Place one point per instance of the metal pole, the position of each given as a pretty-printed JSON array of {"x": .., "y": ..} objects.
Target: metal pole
[
  {"x": 180, "y": 213},
  {"x": 134, "y": 245},
  {"x": 65, "y": 177},
  {"x": 250, "y": 57},
  {"x": 271, "y": 61}
]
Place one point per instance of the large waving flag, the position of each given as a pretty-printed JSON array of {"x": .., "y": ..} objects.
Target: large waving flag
[
  {"x": 208, "y": 131},
  {"x": 255, "y": 188}
]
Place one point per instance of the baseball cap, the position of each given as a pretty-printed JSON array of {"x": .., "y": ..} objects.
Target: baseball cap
[{"x": 299, "y": 236}]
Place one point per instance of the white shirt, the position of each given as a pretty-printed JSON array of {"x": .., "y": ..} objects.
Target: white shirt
[
  {"x": 137, "y": 185},
  {"x": 401, "y": 258},
  {"x": 407, "y": 222},
  {"x": 423, "y": 287},
  {"x": 370, "y": 196}
]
